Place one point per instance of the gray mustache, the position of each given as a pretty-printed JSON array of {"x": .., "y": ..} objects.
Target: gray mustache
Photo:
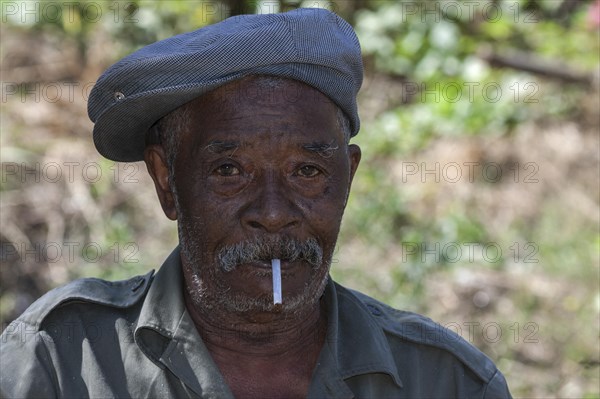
[{"x": 289, "y": 249}]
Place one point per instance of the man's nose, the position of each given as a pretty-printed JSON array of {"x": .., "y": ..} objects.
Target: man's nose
[{"x": 272, "y": 210}]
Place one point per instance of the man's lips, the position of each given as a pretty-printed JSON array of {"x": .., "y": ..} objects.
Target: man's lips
[{"x": 263, "y": 264}]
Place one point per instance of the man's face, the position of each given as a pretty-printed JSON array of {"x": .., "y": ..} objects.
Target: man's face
[{"x": 261, "y": 172}]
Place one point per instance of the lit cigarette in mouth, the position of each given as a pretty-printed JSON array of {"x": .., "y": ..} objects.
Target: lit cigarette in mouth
[{"x": 276, "y": 266}]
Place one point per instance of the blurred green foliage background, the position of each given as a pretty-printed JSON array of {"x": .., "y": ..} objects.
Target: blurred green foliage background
[{"x": 476, "y": 202}]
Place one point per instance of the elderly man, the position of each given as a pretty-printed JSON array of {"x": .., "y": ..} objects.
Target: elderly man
[{"x": 244, "y": 127}]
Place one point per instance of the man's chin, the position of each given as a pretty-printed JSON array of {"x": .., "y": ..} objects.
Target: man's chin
[
  {"x": 222, "y": 298},
  {"x": 291, "y": 304}
]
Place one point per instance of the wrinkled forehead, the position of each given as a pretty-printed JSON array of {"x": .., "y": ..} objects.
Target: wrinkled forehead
[
  {"x": 265, "y": 91},
  {"x": 262, "y": 104}
]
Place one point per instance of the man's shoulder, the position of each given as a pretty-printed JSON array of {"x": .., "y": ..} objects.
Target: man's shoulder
[
  {"x": 113, "y": 294},
  {"x": 413, "y": 334}
]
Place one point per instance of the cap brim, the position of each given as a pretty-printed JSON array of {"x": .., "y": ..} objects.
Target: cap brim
[{"x": 120, "y": 133}]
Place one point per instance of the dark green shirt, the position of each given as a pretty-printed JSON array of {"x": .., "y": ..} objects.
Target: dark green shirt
[{"x": 134, "y": 338}]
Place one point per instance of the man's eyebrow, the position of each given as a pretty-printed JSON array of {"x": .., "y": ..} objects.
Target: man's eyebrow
[
  {"x": 219, "y": 147},
  {"x": 324, "y": 149}
]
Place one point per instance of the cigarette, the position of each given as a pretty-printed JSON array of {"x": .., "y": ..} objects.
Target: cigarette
[{"x": 276, "y": 266}]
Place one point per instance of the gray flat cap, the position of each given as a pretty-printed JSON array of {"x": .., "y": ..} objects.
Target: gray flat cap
[{"x": 313, "y": 46}]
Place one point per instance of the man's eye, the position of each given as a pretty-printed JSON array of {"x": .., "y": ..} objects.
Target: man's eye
[
  {"x": 308, "y": 171},
  {"x": 227, "y": 170}
]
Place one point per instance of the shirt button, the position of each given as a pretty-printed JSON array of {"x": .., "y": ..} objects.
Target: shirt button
[{"x": 374, "y": 310}]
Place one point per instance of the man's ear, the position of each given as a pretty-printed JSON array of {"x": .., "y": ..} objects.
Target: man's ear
[
  {"x": 354, "y": 155},
  {"x": 156, "y": 162}
]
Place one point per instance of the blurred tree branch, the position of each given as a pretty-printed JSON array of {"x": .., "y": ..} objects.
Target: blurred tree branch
[{"x": 530, "y": 63}]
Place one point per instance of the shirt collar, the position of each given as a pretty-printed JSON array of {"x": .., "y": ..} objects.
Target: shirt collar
[
  {"x": 355, "y": 344},
  {"x": 166, "y": 333}
]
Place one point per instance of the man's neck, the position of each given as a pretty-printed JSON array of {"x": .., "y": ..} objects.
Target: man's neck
[{"x": 263, "y": 355}]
